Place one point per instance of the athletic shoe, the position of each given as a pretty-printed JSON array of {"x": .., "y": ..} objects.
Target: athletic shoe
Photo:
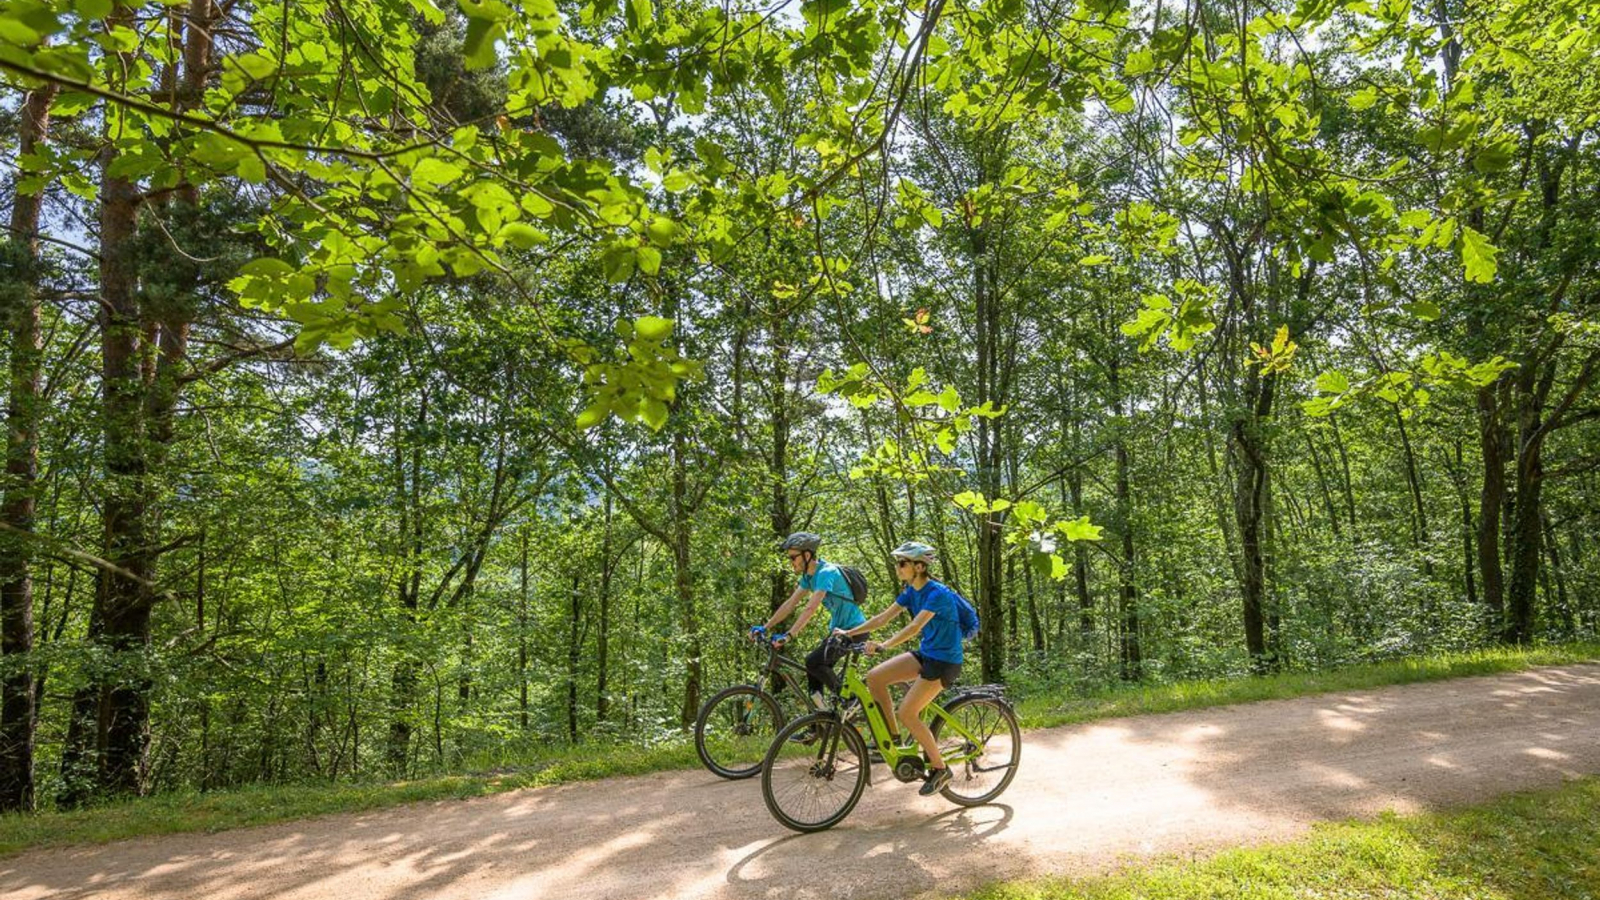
[{"x": 937, "y": 779}]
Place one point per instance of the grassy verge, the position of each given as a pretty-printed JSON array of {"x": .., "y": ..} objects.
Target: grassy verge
[
  {"x": 1537, "y": 846},
  {"x": 177, "y": 813},
  {"x": 1048, "y": 711}
]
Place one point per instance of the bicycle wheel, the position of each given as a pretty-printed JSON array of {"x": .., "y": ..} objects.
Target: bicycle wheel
[
  {"x": 734, "y": 730},
  {"x": 991, "y": 765},
  {"x": 813, "y": 781}
]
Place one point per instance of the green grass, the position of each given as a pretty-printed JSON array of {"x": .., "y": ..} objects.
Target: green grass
[
  {"x": 1050, "y": 711},
  {"x": 1537, "y": 846},
  {"x": 217, "y": 811}
]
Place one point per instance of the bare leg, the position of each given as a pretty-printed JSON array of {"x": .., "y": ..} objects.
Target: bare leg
[
  {"x": 900, "y": 669},
  {"x": 919, "y": 696}
]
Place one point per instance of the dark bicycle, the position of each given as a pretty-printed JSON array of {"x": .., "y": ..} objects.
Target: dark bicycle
[{"x": 737, "y": 725}]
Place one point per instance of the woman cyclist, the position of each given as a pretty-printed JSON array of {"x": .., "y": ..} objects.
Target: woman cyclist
[{"x": 931, "y": 668}]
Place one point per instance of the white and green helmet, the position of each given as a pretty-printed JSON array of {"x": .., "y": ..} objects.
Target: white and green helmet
[{"x": 916, "y": 551}]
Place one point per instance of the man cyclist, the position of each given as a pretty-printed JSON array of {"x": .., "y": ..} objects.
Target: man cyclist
[
  {"x": 824, "y": 586},
  {"x": 931, "y": 668}
]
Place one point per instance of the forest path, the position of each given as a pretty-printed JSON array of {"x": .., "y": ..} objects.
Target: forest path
[{"x": 1087, "y": 799}]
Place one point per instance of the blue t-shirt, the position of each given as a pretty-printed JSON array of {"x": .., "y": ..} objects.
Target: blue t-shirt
[
  {"x": 941, "y": 637},
  {"x": 841, "y": 604}
]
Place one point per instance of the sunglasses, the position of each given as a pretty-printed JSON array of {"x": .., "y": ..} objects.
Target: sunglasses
[
  {"x": 901, "y": 562},
  {"x": 793, "y": 556}
]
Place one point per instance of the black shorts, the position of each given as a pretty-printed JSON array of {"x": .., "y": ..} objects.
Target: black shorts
[{"x": 938, "y": 670}]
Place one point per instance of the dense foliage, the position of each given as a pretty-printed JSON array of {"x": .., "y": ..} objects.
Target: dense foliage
[{"x": 393, "y": 385}]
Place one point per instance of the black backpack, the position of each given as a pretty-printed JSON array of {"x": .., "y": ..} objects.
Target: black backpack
[{"x": 857, "y": 582}]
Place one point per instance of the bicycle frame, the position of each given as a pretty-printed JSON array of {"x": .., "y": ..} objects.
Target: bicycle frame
[
  {"x": 855, "y": 686},
  {"x": 784, "y": 668}
]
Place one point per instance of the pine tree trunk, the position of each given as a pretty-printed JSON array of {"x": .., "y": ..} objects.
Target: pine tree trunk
[{"x": 18, "y": 715}]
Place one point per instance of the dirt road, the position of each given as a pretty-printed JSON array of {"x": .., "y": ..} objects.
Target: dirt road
[{"x": 1086, "y": 799}]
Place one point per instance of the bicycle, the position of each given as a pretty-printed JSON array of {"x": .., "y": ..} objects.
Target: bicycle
[
  {"x": 735, "y": 727},
  {"x": 812, "y": 787}
]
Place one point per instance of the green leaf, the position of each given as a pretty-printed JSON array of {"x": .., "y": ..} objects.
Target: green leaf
[
  {"x": 640, "y": 14},
  {"x": 652, "y": 328},
  {"x": 1478, "y": 256},
  {"x": 594, "y": 414},
  {"x": 971, "y": 501},
  {"x": 523, "y": 235},
  {"x": 1423, "y": 309},
  {"x": 1079, "y": 529},
  {"x": 654, "y": 413},
  {"x": 435, "y": 171},
  {"x": 479, "y": 46},
  {"x": 618, "y": 261},
  {"x": 649, "y": 260},
  {"x": 1333, "y": 382},
  {"x": 266, "y": 267}
]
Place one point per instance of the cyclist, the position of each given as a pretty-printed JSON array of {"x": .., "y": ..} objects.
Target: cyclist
[
  {"x": 931, "y": 668},
  {"x": 826, "y": 586}
]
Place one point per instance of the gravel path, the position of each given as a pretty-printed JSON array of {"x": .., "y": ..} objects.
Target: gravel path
[{"x": 1087, "y": 799}]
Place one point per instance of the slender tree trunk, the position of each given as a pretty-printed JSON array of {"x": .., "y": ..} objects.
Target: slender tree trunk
[
  {"x": 18, "y": 714},
  {"x": 1490, "y": 502},
  {"x": 522, "y": 636},
  {"x": 602, "y": 701},
  {"x": 991, "y": 548},
  {"x": 1558, "y": 574},
  {"x": 576, "y": 612},
  {"x": 683, "y": 579},
  {"x": 1130, "y": 654},
  {"x": 782, "y": 513},
  {"x": 1419, "y": 522},
  {"x": 1322, "y": 483},
  {"x": 1344, "y": 469},
  {"x": 403, "y": 680},
  {"x": 1527, "y": 533}
]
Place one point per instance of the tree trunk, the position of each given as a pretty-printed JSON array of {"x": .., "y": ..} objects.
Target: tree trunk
[
  {"x": 1250, "y": 509},
  {"x": 1490, "y": 502},
  {"x": 1419, "y": 522},
  {"x": 403, "y": 680},
  {"x": 576, "y": 611},
  {"x": 17, "y": 711},
  {"x": 602, "y": 698},
  {"x": 1130, "y": 656},
  {"x": 122, "y": 721},
  {"x": 683, "y": 579},
  {"x": 1526, "y": 527},
  {"x": 1322, "y": 484},
  {"x": 522, "y": 637},
  {"x": 782, "y": 514}
]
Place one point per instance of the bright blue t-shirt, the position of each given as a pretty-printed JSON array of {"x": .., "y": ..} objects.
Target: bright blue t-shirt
[
  {"x": 840, "y": 603},
  {"x": 941, "y": 637}
]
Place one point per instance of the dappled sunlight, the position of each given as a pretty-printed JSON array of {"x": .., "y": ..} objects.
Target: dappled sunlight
[{"x": 1086, "y": 799}]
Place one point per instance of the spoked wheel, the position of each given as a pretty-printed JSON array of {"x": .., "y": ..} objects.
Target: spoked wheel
[
  {"x": 734, "y": 730},
  {"x": 993, "y": 761},
  {"x": 815, "y": 772}
]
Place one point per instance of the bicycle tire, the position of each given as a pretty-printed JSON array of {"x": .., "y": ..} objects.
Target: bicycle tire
[
  {"x": 833, "y": 765},
  {"x": 732, "y": 738},
  {"x": 980, "y": 781}
]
